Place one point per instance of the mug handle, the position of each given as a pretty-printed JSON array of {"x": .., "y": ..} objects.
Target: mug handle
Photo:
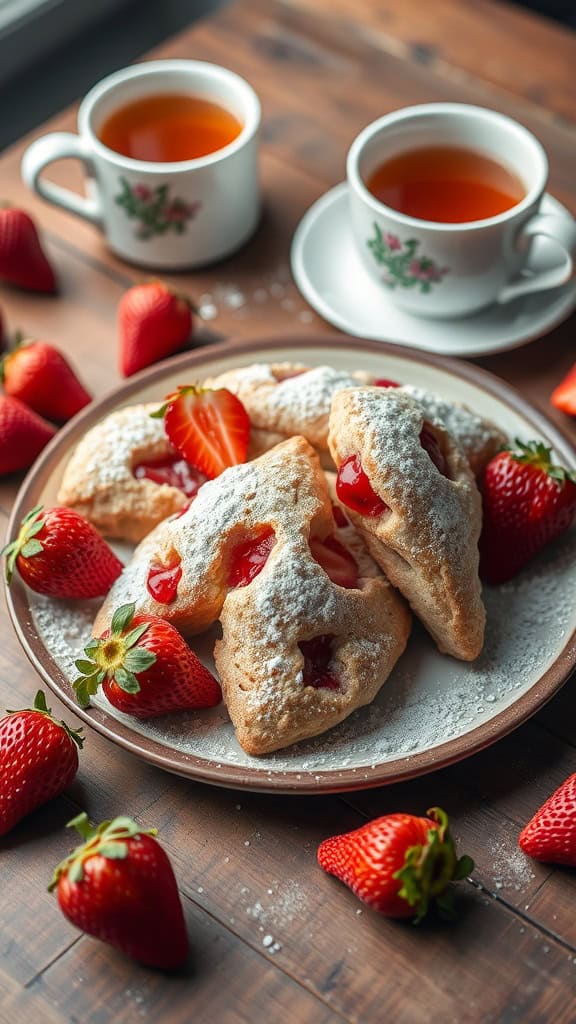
[
  {"x": 60, "y": 146},
  {"x": 562, "y": 229}
]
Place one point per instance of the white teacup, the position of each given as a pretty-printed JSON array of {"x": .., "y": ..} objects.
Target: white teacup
[
  {"x": 450, "y": 270},
  {"x": 208, "y": 206}
]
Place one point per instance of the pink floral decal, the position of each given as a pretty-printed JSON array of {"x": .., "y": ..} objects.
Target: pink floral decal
[
  {"x": 402, "y": 265},
  {"x": 153, "y": 208}
]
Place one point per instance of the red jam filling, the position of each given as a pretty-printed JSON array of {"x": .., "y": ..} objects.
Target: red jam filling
[
  {"x": 383, "y": 382},
  {"x": 336, "y": 561},
  {"x": 317, "y": 657},
  {"x": 172, "y": 470},
  {"x": 430, "y": 445},
  {"x": 339, "y": 517},
  {"x": 162, "y": 582},
  {"x": 355, "y": 490},
  {"x": 250, "y": 557}
]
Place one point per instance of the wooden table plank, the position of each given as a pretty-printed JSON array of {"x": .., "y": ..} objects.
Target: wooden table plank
[{"x": 472, "y": 50}]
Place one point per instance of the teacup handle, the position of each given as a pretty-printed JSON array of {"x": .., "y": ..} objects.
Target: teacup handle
[
  {"x": 60, "y": 146},
  {"x": 562, "y": 229}
]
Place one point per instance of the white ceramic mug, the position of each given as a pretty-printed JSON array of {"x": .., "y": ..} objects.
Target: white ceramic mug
[
  {"x": 167, "y": 216},
  {"x": 449, "y": 270}
]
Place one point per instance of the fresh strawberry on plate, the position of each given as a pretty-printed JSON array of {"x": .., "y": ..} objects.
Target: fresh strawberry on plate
[
  {"x": 399, "y": 863},
  {"x": 145, "y": 668},
  {"x": 59, "y": 553},
  {"x": 527, "y": 502},
  {"x": 550, "y": 836},
  {"x": 23, "y": 261},
  {"x": 119, "y": 886},
  {"x": 209, "y": 427},
  {"x": 38, "y": 760},
  {"x": 23, "y": 435},
  {"x": 39, "y": 375},
  {"x": 154, "y": 322}
]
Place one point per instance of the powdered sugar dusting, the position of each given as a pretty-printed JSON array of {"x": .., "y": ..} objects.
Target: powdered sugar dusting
[
  {"x": 106, "y": 453},
  {"x": 473, "y": 434},
  {"x": 428, "y": 699}
]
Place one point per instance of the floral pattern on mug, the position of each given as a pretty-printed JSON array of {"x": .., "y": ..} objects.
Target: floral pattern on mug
[
  {"x": 154, "y": 209},
  {"x": 403, "y": 266}
]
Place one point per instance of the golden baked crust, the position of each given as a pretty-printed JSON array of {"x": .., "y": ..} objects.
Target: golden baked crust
[
  {"x": 427, "y": 540},
  {"x": 98, "y": 481},
  {"x": 291, "y": 600}
]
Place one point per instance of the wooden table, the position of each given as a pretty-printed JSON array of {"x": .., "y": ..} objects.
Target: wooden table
[{"x": 246, "y": 863}]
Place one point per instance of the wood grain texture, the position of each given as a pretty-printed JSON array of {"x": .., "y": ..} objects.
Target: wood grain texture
[{"x": 246, "y": 863}]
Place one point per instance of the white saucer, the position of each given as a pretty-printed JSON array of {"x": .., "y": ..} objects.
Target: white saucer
[{"x": 331, "y": 276}]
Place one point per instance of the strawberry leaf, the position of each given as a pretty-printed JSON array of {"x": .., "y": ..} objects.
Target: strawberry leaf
[
  {"x": 139, "y": 659},
  {"x": 126, "y": 681},
  {"x": 134, "y": 635},
  {"x": 114, "y": 851},
  {"x": 84, "y": 687},
  {"x": 122, "y": 618},
  {"x": 464, "y": 867},
  {"x": 30, "y": 548},
  {"x": 87, "y": 668}
]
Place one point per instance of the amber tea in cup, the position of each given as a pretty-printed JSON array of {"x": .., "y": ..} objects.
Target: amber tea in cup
[
  {"x": 168, "y": 128},
  {"x": 446, "y": 184}
]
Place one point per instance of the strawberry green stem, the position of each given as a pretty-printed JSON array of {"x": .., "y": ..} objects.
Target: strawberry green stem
[
  {"x": 105, "y": 840},
  {"x": 429, "y": 868}
]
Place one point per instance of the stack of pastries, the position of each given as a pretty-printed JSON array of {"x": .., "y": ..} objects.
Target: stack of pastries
[{"x": 357, "y": 507}]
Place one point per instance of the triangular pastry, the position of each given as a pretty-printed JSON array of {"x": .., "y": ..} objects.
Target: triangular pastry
[
  {"x": 299, "y": 652},
  {"x": 408, "y": 488}
]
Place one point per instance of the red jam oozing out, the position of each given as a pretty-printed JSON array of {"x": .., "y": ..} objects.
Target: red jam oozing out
[
  {"x": 250, "y": 557},
  {"x": 162, "y": 582},
  {"x": 317, "y": 657},
  {"x": 339, "y": 517},
  {"x": 430, "y": 445},
  {"x": 336, "y": 561},
  {"x": 172, "y": 470},
  {"x": 355, "y": 490},
  {"x": 383, "y": 382}
]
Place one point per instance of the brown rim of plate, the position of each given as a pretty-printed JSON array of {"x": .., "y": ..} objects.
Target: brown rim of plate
[{"x": 265, "y": 779}]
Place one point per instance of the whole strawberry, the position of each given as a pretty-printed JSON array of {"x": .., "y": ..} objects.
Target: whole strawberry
[
  {"x": 154, "y": 322},
  {"x": 23, "y": 435},
  {"x": 59, "y": 553},
  {"x": 527, "y": 502},
  {"x": 564, "y": 395},
  {"x": 550, "y": 835},
  {"x": 145, "y": 668},
  {"x": 398, "y": 864},
  {"x": 23, "y": 262},
  {"x": 118, "y": 886},
  {"x": 39, "y": 375},
  {"x": 38, "y": 759}
]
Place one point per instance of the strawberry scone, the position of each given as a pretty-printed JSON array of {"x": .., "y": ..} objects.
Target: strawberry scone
[
  {"x": 409, "y": 490},
  {"x": 125, "y": 477},
  {"x": 309, "y": 633}
]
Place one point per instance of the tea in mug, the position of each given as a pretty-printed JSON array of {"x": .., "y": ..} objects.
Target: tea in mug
[
  {"x": 169, "y": 127},
  {"x": 446, "y": 184}
]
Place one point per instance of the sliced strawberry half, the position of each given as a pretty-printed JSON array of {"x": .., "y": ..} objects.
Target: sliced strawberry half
[
  {"x": 209, "y": 427},
  {"x": 336, "y": 561}
]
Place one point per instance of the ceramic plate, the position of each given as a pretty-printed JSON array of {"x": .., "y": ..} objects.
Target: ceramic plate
[
  {"x": 333, "y": 279},
  {"x": 433, "y": 710}
]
